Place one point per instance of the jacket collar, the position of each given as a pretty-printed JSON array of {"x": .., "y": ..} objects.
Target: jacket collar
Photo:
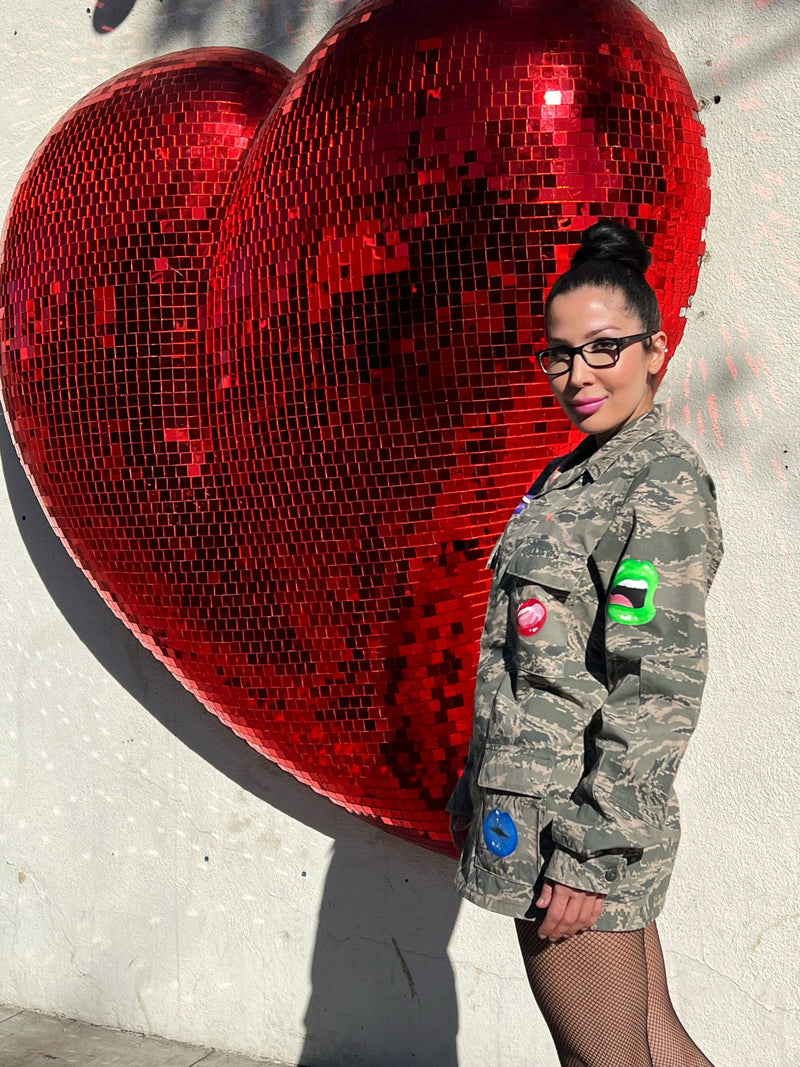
[{"x": 587, "y": 460}]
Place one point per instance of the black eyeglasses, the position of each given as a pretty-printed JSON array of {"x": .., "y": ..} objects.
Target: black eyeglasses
[{"x": 602, "y": 352}]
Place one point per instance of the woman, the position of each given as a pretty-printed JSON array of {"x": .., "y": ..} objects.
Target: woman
[{"x": 592, "y": 666}]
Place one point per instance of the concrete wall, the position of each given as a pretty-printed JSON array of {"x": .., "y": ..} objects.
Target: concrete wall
[{"x": 160, "y": 876}]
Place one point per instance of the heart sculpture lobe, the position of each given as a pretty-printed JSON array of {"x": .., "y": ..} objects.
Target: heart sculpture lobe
[
  {"x": 106, "y": 254},
  {"x": 300, "y": 533}
]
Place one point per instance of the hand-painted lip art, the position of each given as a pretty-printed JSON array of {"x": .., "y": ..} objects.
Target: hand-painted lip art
[
  {"x": 588, "y": 407},
  {"x": 500, "y": 833},
  {"x": 531, "y": 617},
  {"x": 629, "y": 593},
  {"x": 630, "y": 598}
]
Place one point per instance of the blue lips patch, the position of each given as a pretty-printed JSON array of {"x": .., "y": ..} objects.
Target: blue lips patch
[{"x": 500, "y": 833}]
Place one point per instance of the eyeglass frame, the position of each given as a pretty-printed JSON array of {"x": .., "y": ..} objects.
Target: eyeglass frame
[{"x": 578, "y": 350}]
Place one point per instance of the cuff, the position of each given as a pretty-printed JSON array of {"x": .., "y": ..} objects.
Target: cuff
[{"x": 600, "y": 874}]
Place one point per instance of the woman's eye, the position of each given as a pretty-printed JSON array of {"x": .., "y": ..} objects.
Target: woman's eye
[
  {"x": 602, "y": 345},
  {"x": 558, "y": 355}
]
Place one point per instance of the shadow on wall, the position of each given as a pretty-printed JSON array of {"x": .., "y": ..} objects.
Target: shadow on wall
[
  {"x": 386, "y": 1002},
  {"x": 382, "y": 987},
  {"x": 109, "y": 14},
  {"x": 286, "y": 30}
]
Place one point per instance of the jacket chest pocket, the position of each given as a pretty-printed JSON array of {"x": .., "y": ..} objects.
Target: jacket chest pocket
[{"x": 540, "y": 631}]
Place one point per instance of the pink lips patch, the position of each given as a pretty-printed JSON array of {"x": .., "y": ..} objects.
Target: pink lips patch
[{"x": 531, "y": 617}]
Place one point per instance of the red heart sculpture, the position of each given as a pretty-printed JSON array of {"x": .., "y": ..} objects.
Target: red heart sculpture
[{"x": 295, "y": 515}]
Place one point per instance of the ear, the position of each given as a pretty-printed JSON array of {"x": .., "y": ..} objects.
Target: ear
[{"x": 658, "y": 353}]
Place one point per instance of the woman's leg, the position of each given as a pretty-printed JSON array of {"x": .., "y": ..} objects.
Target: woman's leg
[
  {"x": 604, "y": 997},
  {"x": 592, "y": 991},
  {"x": 670, "y": 1045}
]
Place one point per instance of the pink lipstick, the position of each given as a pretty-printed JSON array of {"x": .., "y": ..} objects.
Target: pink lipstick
[{"x": 588, "y": 407}]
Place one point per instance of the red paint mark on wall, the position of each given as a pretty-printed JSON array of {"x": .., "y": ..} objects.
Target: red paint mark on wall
[
  {"x": 754, "y": 367},
  {"x": 771, "y": 236},
  {"x": 720, "y": 68},
  {"x": 746, "y": 460},
  {"x": 776, "y": 342},
  {"x": 781, "y": 473},
  {"x": 732, "y": 367},
  {"x": 713, "y": 414},
  {"x": 773, "y": 392},
  {"x": 773, "y": 179},
  {"x": 780, "y": 541},
  {"x": 790, "y": 283}
]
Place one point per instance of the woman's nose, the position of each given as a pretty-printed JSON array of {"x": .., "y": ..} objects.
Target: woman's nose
[{"x": 580, "y": 372}]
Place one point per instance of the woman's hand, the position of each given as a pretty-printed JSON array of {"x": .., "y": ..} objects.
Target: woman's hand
[
  {"x": 459, "y": 828},
  {"x": 569, "y": 910}
]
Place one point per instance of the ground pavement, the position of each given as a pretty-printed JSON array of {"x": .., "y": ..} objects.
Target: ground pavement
[{"x": 29, "y": 1039}]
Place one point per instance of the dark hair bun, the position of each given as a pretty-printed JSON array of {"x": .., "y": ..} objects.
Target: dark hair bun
[{"x": 609, "y": 239}]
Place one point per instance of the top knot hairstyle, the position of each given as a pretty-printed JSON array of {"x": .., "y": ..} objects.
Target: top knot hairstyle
[{"x": 613, "y": 256}]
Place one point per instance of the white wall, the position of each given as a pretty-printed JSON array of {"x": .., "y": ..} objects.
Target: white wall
[{"x": 158, "y": 875}]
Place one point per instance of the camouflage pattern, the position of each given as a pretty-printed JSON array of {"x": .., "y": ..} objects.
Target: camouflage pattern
[{"x": 581, "y": 722}]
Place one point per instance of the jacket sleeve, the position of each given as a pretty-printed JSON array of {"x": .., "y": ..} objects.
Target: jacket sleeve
[{"x": 655, "y": 660}]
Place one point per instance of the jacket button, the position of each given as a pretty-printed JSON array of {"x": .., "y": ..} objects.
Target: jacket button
[{"x": 611, "y": 876}]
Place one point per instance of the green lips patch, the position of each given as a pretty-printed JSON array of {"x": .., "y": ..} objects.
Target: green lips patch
[{"x": 630, "y": 600}]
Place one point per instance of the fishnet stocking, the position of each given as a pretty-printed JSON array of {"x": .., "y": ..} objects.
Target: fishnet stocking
[
  {"x": 604, "y": 996},
  {"x": 670, "y": 1045}
]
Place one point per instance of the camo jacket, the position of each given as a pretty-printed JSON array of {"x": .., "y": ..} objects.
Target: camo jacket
[{"x": 592, "y": 665}]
